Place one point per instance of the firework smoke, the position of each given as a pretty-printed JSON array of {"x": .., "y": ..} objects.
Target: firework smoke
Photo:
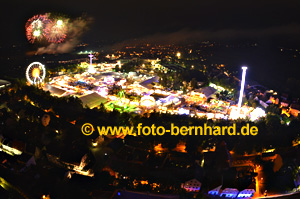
[
  {"x": 75, "y": 31},
  {"x": 61, "y": 33}
]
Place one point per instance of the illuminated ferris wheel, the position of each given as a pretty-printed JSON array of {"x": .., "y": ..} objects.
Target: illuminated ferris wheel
[{"x": 35, "y": 73}]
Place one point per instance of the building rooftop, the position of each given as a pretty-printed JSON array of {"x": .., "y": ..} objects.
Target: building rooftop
[
  {"x": 92, "y": 100},
  {"x": 207, "y": 91},
  {"x": 54, "y": 90},
  {"x": 149, "y": 82},
  {"x": 4, "y": 83}
]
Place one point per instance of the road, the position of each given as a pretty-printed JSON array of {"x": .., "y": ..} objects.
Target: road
[
  {"x": 283, "y": 196},
  {"x": 11, "y": 189}
]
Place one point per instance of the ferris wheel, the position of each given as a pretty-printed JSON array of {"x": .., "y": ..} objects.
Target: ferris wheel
[{"x": 35, "y": 73}]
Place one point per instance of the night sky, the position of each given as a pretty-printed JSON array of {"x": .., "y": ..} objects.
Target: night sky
[{"x": 164, "y": 20}]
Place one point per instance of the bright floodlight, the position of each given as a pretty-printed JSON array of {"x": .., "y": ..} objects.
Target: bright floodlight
[
  {"x": 35, "y": 73},
  {"x": 257, "y": 113},
  {"x": 244, "y": 68}
]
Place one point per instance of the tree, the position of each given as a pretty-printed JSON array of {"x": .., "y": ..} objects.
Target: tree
[
  {"x": 194, "y": 83},
  {"x": 117, "y": 68},
  {"x": 273, "y": 109},
  {"x": 254, "y": 104},
  {"x": 176, "y": 83},
  {"x": 102, "y": 108},
  {"x": 129, "y": 67},
  {"x": 184, "y": 90}
]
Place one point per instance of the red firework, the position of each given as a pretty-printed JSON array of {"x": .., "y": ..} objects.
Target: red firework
[
  {"x": 56, "y": 31},
  {"x": 35, "y": 27}
]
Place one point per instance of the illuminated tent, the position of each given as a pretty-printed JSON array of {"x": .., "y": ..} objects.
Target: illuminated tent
[
  {"x": 54, "y": 90},
  {"x": 149, "y": 82},
  {"x": 207, "y": 91},
  {"x": 92, "y": 100}
]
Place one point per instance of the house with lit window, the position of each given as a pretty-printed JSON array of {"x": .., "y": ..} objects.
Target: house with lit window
[
  {"x": 192, "y": 185},
  {"x": 295, "y": 109},
  {"x": 246, "y": 193},
  {"x": 229, "y": 193},
  {"x": 284, "y": 103},
  {"x": 73, "y": 159}
]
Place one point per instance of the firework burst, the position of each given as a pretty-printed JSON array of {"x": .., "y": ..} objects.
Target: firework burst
[
  {"x": 47, "y": 27},
  {"x": 35, "y": 27},
  {"x": 56, "y": 31}
]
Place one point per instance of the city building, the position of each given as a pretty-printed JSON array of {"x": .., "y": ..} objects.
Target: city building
[
  {"x": 207, "y": 91},
  {"x": 229, "y": 193},
  {"x": 246, "y": 193},
  {"x": 295, "y": 109},
  {"x": 192, "y": 185}
]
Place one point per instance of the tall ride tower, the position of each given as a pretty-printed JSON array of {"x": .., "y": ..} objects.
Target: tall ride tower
[
  {"x": 91, "y": 67},
  {"x": 244, "y": 68}
]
